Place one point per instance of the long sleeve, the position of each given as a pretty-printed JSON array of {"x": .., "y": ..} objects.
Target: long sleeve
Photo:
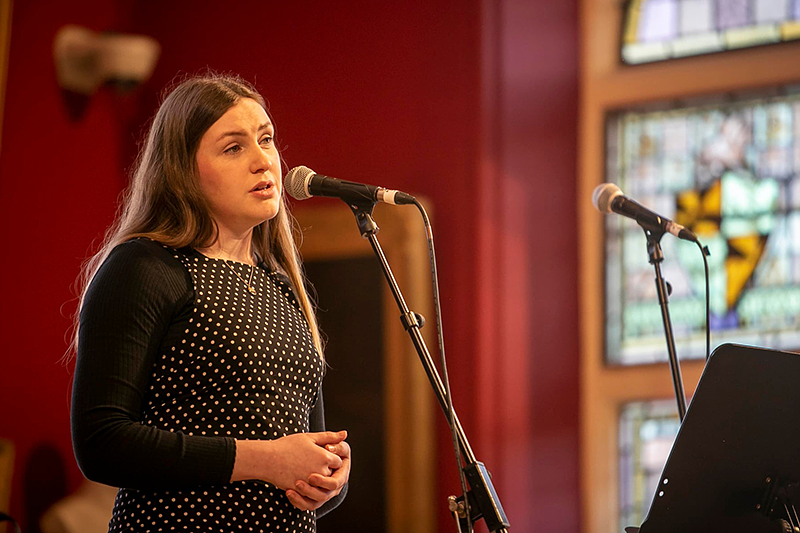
[
  {"x": 317, "y": 424},
  {"x": 127, "y": 311}
]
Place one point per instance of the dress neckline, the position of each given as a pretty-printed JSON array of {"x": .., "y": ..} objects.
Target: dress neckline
[{"x": 259, "y": 261}]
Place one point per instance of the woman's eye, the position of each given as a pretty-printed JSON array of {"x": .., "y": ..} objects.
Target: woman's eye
[
  {"x": 267, "y": 139},
  {"x": 233, "y": 149}
]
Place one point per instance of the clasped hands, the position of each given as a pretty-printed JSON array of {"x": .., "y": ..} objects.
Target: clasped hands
[
  {"x": 331, "y": 476},
  {"x": 311, "y": 467}
]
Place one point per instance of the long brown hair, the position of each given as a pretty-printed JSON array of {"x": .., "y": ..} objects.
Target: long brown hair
[{"x": 163, "y": 201}]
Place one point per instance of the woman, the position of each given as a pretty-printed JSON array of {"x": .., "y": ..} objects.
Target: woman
[{"x": 199, "y": 364}]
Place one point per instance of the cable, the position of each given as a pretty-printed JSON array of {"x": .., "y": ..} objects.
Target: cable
[
  {"x": 7, "y": 518},
  {"x": 450, "y": 411},
  {"x": 705, "y": 252}
]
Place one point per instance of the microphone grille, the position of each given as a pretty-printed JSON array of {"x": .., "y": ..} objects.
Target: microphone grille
[
  {"x": 603, "y": 195},
  {"x": 295, "y": 182}
]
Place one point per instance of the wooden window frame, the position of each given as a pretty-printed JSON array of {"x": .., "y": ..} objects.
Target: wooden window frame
[{"x": 608, "y": 85}]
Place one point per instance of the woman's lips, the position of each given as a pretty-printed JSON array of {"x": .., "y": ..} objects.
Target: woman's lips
[{"x": 264, "y": 190}]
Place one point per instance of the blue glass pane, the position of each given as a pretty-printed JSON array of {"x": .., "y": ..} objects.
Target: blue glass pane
[
  {"x": 771, "y": 11},
  {"x": 659, "y": 20},
  {"x": 733, "y": 13},
  {"x": 697, "y": 16}
]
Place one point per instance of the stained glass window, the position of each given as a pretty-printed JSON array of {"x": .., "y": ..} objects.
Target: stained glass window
[
  {"x": 731, "y": 173},
  {"x": 646, "y": 433},
  {"x": 655, "y": 30}
]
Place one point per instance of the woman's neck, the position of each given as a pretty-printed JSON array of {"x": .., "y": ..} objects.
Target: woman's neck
[{"x": 233, "y": 247}]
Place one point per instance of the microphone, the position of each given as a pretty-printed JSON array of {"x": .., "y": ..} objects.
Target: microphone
[
  {"x": 607, "y": 197},
  {"x": 302, "y": 182}
]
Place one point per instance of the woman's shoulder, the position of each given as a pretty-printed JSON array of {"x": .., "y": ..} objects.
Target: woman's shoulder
[
  {"x": 139, "y": 281},
  {"x": 145, "y": 258},
  {"x": 142, "y": 247}
]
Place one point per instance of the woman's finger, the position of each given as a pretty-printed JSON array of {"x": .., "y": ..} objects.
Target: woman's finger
[
  {"x": 301, "y": 502},
  {"x": 334, "y": 461},
  {"x": 324, "y": 482},
  {"x": 313, "y": 493},
  {"x": 342, "y": 449},
  {"x": 327, "y": 437}
]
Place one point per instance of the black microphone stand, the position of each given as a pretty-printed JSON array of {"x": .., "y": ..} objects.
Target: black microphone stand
[
  {"x": 654, "y": 234},
  {"x": 482, "y": 499}
]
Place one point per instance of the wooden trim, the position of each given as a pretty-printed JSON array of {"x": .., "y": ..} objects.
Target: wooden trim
[
  {"x": 607, "y": 85},
  {"x": 5, "y": 46},
  {"x": 330, "y": 232},
  {"x": 6, "y": 446},
  {"x": 6, "y": 474}
]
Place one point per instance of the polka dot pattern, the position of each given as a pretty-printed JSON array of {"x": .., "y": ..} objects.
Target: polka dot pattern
[{"x": 245, "y": 368}]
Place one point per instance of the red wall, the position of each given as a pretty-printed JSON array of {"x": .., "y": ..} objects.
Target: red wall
[
  {"x": 58, "y": 184},
  {"x": 471, "y": 103},
  {"x": 529, "y": 227}
]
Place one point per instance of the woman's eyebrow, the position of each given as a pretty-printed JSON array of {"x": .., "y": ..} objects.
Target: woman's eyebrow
[{"x": 242, "y": 133}]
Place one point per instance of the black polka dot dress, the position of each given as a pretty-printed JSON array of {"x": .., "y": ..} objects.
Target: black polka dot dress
[{"x": 236, "y": 361}]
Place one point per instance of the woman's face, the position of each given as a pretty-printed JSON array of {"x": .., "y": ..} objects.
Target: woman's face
[{"x": 239, "y": 168}]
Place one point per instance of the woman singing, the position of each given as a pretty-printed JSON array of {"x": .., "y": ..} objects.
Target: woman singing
[{"x": 197, "y": 384}]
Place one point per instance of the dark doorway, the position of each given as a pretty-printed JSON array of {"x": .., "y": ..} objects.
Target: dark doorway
[{"x": 349, "y": 296}]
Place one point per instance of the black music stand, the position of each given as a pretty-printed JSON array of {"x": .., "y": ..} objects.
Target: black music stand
[{"x": 735, "y": 463}]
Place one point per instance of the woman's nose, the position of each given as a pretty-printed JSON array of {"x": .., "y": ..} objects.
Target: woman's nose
[{"x": 262, "y": 161}]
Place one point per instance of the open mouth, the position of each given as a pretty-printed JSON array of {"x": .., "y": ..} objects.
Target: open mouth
[{"x": 262, "y": 186}]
